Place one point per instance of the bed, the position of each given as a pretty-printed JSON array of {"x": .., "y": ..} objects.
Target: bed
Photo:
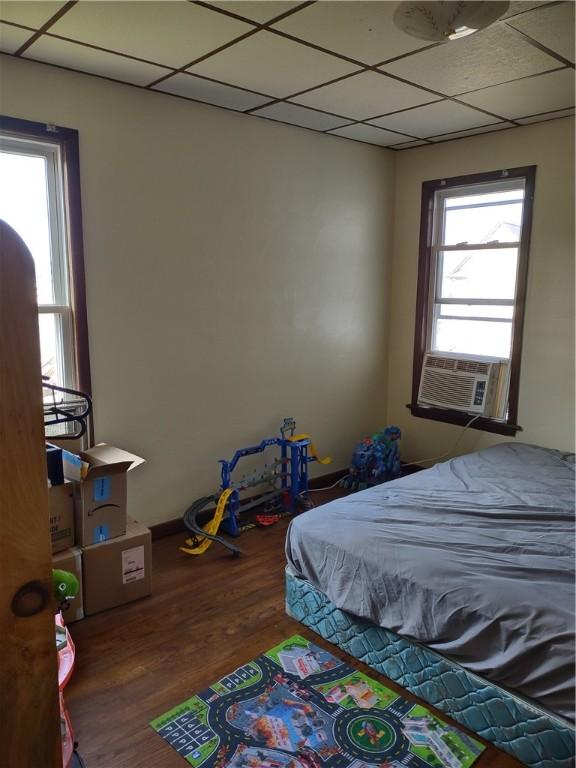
[{"x": 458, "y": 583}]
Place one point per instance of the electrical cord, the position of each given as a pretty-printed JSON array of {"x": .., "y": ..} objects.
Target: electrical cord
[
  {"x": 410, "y": 463},
  {"x": 450, "y": 450},
  {"x": 328, "y": 487},
  {"x": 309, "y": 502}
]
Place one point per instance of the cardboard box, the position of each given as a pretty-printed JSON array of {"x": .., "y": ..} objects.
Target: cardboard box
[
  {"x": 61, "y": 509},
  {"x": 71, "y": 560},
  {"x": 54, "y": 464},
  {"x": 100, "y": 491},
  {"x": 118, "y": 571}
]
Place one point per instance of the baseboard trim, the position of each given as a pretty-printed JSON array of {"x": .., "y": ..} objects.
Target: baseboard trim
[
  {"x": 172, "y": 527},
  {"x": 167, "y": 528},
  {"x": 409, "y": 469}
]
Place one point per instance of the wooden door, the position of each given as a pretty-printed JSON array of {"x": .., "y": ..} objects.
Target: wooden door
[{"x": 29, "y": 711}]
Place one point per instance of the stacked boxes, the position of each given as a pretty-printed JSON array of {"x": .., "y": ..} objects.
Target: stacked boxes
[{"x": 113, "y": 558}]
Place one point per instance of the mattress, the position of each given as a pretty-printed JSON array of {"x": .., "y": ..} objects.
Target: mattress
[{"x": 473, "y": 558}]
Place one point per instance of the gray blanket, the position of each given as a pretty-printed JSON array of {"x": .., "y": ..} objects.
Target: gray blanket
[{"x": 473, "y": 558}]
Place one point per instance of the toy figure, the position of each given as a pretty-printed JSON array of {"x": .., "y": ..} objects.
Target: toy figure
[
  {"x": 375, "y": 460},
  {"x": 65, "y": 586}
]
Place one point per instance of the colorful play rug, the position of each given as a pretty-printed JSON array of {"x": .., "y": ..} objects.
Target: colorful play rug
[{"x": 297, "y": 706}]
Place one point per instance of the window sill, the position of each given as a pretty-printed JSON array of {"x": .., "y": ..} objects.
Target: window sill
[{"x": 483, "y": 423}]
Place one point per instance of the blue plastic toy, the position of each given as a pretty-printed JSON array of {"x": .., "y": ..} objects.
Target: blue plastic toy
[
  {"x": 375, "y": 460},
  {"x": 286, "y": 478}
]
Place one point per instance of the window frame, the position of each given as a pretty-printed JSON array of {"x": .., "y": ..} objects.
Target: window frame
[
  {"x": 71, "y": 235},
  {"x": 426, "y": 285}
]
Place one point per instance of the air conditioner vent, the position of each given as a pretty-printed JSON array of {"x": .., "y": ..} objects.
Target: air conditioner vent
[
  {"x": 473, "y": 366},
  {"x": 447, "y": 363},
  {"x": 461, "y": 384}
]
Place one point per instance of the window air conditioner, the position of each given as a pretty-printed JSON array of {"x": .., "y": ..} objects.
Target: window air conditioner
[{"x": 474, "y": 386}]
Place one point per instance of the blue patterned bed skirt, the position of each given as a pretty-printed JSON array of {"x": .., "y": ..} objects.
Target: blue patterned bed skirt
[{"x": 534, "y": 736}]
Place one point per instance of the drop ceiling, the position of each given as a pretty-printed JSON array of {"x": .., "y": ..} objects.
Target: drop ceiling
[{"x": 340, "y": 68}]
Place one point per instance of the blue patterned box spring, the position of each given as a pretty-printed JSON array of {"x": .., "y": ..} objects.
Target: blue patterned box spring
[{"x": 536, "y": 737}]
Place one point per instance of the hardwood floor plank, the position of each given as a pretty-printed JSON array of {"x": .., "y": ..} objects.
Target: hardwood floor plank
[{"x": 206, "y": 616}]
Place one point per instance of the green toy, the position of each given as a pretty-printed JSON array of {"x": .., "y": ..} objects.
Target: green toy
[{"x": 65, "y": 586}]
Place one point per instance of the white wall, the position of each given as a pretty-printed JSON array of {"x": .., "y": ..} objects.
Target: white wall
[
  {"x": 546, "y": 407},
  {"x": 236, "y": 273}
]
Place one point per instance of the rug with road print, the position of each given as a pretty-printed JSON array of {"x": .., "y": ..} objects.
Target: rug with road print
[{"x": 297, "y": 706}]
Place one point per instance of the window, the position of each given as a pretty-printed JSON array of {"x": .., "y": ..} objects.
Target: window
[
  {"x": 474, "y": 243},
  {"x": 40, "y": 199}
]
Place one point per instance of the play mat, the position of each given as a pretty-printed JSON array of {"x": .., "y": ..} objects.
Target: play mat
[{"x": 297, "y": 706}]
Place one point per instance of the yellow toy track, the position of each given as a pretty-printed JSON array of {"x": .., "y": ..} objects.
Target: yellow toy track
[
  {"x": 211, "y": 528},
  {"x": 312, "y": 448}
]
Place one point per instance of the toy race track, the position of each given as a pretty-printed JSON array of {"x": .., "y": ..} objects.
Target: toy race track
[
  {"x": 285, "y": 479},
  {"x": 202, "y": 537},
  {"x": 297, "y": 706}
]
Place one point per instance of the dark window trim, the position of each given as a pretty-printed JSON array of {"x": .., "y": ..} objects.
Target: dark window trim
[
  {"x": 67, "y": 139},
  {"x": 429, "y": 188}
]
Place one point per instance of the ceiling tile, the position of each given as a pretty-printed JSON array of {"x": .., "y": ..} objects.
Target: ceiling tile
[
  {"x": 487, "y": 58},
  {"x": 261, "y": 11},
  {"x": 271, "y": 64},
  {"x": 472, "y": 132},
  {"x": 12, "y": 38},
  {"x": 211, "y": 92},
  {"x": 307, "y": 118},
  {"x": 171, "y": 33},
  {"x": 84, "y": 59},
  {"x": 30, "y": 14},
  {"x": 547, "y": 116},
  {"x": 361, "y": 30},
  {"x": 551, "y": 26},
  {"x": 365, "y": 95},
  {"x": 369, "y": 134},
  {"x": 434, "y": 118},
  {"x": 519, "y": 6},
  {"x": 554, "y": 90}
]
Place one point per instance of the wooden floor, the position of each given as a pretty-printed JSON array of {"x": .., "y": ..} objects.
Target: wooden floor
[{"x": 206, "y": 617}]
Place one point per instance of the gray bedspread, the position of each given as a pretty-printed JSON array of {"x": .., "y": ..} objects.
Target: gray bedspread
[{"x": 473, "y": 558}]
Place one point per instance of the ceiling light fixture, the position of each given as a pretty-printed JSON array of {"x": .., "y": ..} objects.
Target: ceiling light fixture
[{"x": 441, "y": 21}]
